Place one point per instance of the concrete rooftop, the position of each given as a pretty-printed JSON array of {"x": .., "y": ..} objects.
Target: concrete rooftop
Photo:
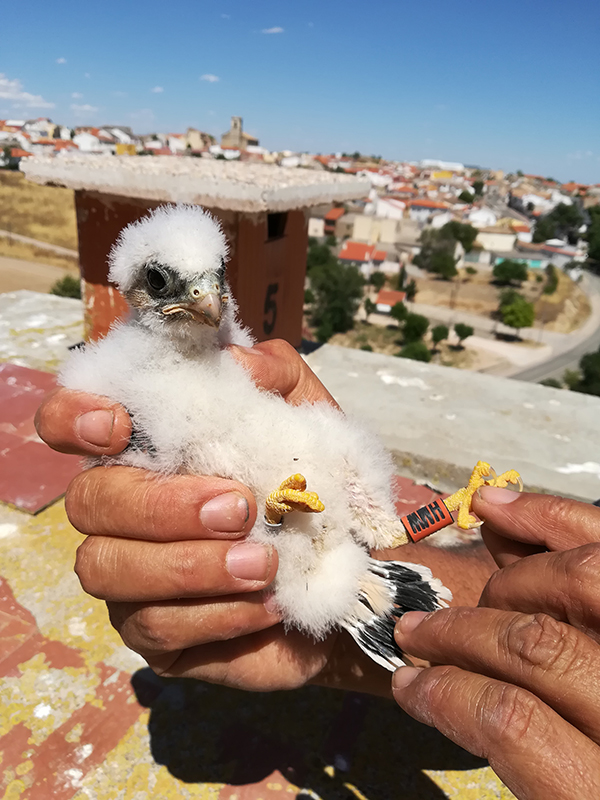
[
  {"x": 238, "y": 186},
  {"x": 440, "y": 421}
]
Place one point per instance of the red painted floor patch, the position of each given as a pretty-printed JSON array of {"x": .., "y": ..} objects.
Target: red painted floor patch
[
  {"x": 59, "y": 763},
  {"x": 31, "y": 475}
]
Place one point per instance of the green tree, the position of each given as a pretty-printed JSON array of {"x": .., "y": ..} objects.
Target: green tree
[
  {"x": 471, "y": 271},
  {"x": 338, "y": 290},
  {"x": 461, "y": 232},
  {"x": 563, "y": 222},
  {"x": 398, "y": 312},
  {"x": 478, "y": 188},
  {"x": 518, "y": 314},
  {"x": 593, "y": 233},
  {"x": 551, "y": 279},
  {"x": 433, "y": 241},
  {"x": 589, "y": 383},
  {"x": 318, "y": 255},
  {"x": 571, "y": 378},
  {"x": 508, "y": 297},
  {"x": 552, "y": 383},
  {"x": 69, "y": 286},
  {"x": 411, "y": 290},
  {"x": 417, "y": 351},
  {"x": 463, "y": 332},
  {"x": 414, "y": 327},
  {"x": 377, "y": 280},
  {"x": 309, "y": 296},
  {"x": 331, "y": 241},
  {"x": 509, "y": 271},
  {"x": 466, "y": 197},
  {"x": 520, "y": 173},
  {"x": 439, "y": 333},
  {"x": 402, "y": 275},
  {"x": 443, "y": 264},
  {"x": 370, "y": 307}
]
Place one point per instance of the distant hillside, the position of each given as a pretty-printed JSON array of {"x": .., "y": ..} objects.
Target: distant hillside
[{"x": 43, "y": 212}]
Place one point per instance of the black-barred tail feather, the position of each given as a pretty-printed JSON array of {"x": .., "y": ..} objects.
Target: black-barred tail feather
[{"x": 389, "y": 590}]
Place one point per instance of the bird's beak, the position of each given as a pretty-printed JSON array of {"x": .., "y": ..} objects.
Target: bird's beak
[
  {"x": 205, "y": 308},
  {"x": 209, "y": 308}
]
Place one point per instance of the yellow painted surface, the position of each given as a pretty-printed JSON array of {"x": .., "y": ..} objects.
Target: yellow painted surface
[{"x": 182, "y": 747}]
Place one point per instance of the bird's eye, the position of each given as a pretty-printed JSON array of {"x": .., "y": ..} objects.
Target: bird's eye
[{"x": 156, "y": 280}]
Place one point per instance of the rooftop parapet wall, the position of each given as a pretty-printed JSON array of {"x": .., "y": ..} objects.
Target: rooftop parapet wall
[
  {"x": 226, "y": 185},
  {"x": 439, "y": 421}
]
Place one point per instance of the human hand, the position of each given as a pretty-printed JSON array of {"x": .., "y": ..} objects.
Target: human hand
[
  {"x": 160, "y": 552},
  {"x": 520, "y": 683}
]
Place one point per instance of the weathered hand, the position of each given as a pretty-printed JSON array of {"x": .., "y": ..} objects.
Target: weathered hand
[
  {"x": 168, "y": 553},
  {"x": 520, "y": 683},
  {"x": 161, "y": 564}
]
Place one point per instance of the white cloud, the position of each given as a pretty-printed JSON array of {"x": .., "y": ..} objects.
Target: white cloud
[
  {"x": 85, "y": 108},
  {"x": 210, "y": 78},
  {"x": 272, "y": 30},
  {"x": 12, "y": 90},
  {"x": 157, "y": 90},
  {"x": 61, "y": 60},
  {"x": 226, "y": 16},
  {"x": 76, "y": 95}
]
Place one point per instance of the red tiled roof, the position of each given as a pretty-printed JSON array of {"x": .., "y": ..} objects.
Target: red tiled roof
[
  {"x": 389, "y": 297},
  {"x": 65, "y": 144},
  {"x": 428, "y": 204},
  {"x": 334, "y": 214},
  {"x": 17, "y": 152},
  {"x": 358, "y": 251}
]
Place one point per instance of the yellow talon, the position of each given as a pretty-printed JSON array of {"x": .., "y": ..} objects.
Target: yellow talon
[
  {"x": 291, "y": 496},
  {"x": 482, "y": 475}
]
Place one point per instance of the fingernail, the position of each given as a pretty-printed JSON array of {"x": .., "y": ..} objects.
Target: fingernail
[
  {"x": 497, "y": 496},
  {"x": 405, "y": 676},
  {"x": 226, "y": 513},
  {"x": 95, "y": 427},
  {"x": 410, "y": 620},
  {"x": 270, "y": 603},
  {"x": 249, "y": 561}
]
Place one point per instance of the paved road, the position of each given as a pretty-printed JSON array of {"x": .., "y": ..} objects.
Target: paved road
[
  {"x": 62, "y": 251},
  {"x": 17, "y": 274},
  {"x": 577, "y": 344}
]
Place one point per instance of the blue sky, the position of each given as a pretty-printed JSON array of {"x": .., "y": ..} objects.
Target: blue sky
[{"x": 513, "y": 85}]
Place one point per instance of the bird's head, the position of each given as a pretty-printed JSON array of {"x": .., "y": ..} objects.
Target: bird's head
[{"x": 170, "y": 266}]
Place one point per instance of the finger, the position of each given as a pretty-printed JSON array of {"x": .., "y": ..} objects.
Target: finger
[
  {"x": 153, "y": 629},
  {"x": 277, "y": 367},
  {"x": 134, "y": 503},
  {"x": 127, "y": 570},
  {"x": 537, "y": 754},
  {"x": 82, "y": 424},
  {"x": 533, "y": 651},
  {"x": 543, "y": 521},
  {"x": 564, "y": 585},
  {"x": 269, "y": 660}
]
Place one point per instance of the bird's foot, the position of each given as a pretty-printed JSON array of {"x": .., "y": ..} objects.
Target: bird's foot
[
  {"x": 291, "y": 496},
  {"x": 482, "y": 475}
]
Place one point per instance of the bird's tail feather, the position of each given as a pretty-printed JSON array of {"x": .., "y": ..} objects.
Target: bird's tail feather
[{"x": 389, "y": 590}]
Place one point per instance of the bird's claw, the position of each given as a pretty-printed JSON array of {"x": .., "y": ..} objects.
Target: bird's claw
[
  {"x": 482, "y": 475},
  {"x": 291, "y": 496}
]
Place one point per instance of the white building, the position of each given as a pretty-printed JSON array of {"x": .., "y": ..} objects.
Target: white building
[{"x": 482, "y": 217}]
